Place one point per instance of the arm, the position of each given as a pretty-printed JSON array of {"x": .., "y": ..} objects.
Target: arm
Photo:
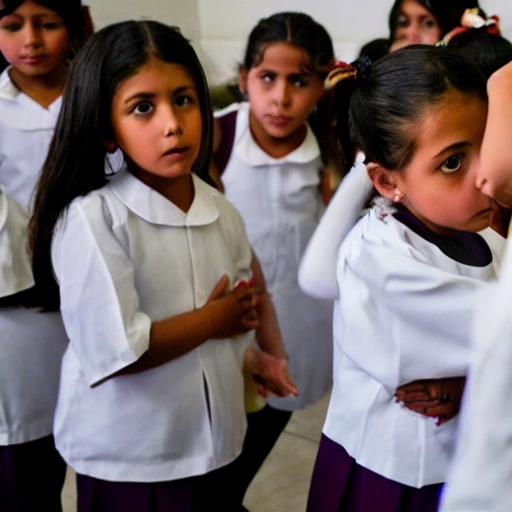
[
  {"x": 495, "y": 176},
  {"x": 269, "y": 366},
  {"x": 317, "y": 271}
]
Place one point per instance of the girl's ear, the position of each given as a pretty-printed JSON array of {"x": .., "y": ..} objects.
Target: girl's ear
[
  {"x": 383, "y": 180},
  {"x": 242, "y": 80}
]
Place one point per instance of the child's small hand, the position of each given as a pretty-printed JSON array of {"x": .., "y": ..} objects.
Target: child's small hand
[
  {"x": 270, "y": 373},
  {"x": 235, "y": 311},
  {"x": 435, "y": 398}
]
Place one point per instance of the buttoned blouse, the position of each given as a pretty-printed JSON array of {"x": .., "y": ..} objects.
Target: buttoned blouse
[
  {"x": 404, "y": 313},
  {"x": 124, "y": 257},
  {"x": 280, "y": 202}
]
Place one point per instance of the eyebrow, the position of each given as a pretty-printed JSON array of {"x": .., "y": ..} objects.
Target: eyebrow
[
  {"x": 453, "y": 147},
  {"x": 150, "y": 95}
]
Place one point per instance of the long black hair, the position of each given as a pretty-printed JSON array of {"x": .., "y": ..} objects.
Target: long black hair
[{"x": 75, "y": 164}]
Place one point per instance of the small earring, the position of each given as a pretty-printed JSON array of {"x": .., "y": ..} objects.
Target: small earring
[
  {"x": 398, "y": 196},
  {"x": 110, "y": 146}
]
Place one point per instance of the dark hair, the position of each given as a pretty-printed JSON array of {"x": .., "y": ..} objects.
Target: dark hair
[
  {"x": 446, "y": 12},
  {"x": 69, "y": 10},
  {"x": 295, "y": 28},
  {"x": 75, "y": 164},
  {"x": 375, "y": 49},
  {"x": 378, "y": 110},
  {"x": 488, "y": 51}
]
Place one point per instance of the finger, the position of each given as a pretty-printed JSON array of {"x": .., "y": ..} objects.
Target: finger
[
  {"x": 220, "y": 288},
  {"x": 412, "y": 386},
  {"x": 413, "y": 397}
]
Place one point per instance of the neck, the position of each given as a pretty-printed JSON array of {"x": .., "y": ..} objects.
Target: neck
[{"x": 44, "y": 89}]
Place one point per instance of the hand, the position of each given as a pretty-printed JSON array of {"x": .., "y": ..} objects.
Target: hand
[
  {"x": 235, "y": 311},
  {"x": 435, "y": 398},
  {"x": 270, "y": 373}
]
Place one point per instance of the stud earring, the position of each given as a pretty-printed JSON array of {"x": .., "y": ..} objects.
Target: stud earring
[{"x": 398, "y": 196}]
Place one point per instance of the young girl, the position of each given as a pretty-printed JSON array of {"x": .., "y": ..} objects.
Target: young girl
[
  {"x": 272, "y": 171},
  {"x": 480, "y": 476},
  {"x": 151, "y": 391},
  {"x": 408, "y": 274},
  {"x": 424, "y": 21},
  {"x": 37, "y": 39}
]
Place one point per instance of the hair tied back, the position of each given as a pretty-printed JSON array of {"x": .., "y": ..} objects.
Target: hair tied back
[{"x": 343, "y": 70}]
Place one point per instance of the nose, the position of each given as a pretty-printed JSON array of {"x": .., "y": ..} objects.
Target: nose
[
  {"x": 413, "y": 33},
  {"x": 171, "y": 123},
  {"x": 32, "y": 35},
  {"x": 281, "y": 96}
]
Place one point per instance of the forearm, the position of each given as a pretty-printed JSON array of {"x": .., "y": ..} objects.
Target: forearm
[{"x": 268, "y": 334}]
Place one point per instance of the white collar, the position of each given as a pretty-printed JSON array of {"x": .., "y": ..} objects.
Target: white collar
[
  {"x": 8, "y": 90},
  {"x": 251, "y": 154},
  {"x": 150, "y": 205}
]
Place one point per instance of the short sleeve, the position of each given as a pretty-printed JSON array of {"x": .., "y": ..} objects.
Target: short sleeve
[{"x": 99, "y": 302}]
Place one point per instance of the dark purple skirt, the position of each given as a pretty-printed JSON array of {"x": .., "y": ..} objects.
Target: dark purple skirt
[
  {"x": 205, "y": 493},
  {"x": 339, "y": 484},
  {"x": 31, "y": 476}
]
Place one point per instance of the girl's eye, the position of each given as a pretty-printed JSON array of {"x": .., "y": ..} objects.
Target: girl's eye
[
  {"x": 11, "y": 27},
  {"x": 300, "y": 82},
  {"x": 183, "y": 100},
  {"x": 50, "y": 25},
  {"x": 143, "y": 108},
  {"x": 430, "y": 24},
  {"x": 402, "y": 22},
  {"x": 451, "y": 164},
  {"x": 267, "y": 78}
]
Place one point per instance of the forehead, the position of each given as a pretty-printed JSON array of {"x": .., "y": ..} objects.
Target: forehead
[
  {"x": 413, "y": 8},
  {"x": 284, "y": 56},
  {"x": 456, "y": 119},
  {"x": 156, "y": 74}
]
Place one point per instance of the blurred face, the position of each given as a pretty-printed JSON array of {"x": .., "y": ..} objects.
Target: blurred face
[
  {"x": 438, "y": 185},
  {"x": 34, "y": 40},
  {"x": 416, "y": 25},
  {"x": 282, "y": 92},
  {"x": 157, "y": 122}
]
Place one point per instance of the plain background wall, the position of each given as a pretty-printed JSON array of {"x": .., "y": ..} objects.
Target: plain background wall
[{"x": 218, "y": 29}]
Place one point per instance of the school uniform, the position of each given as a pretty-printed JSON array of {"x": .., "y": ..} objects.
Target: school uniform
[
  {"x": 407, "y": 300},
  {"x": 280, "y": 203},
  {"x": 31, "y": 347},
  {"x": 479, "y": 479},
  {"x": 26, "y": 130},
  {"x": 124, "y": 257}
]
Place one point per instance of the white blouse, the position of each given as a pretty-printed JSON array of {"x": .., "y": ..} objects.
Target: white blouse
[
  {"x": 124, "y": 257},
  {"x": 404, "y": 313},
  {"x": 26, "y": 130}
]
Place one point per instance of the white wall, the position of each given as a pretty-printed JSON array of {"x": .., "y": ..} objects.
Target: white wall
[{"x": 218, "y": 28}]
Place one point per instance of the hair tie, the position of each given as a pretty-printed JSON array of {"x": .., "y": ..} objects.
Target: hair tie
[
  {"x": 473, "y": 19},
  {"x": 343, "y": 70},
  {"x": 340, "y": 71}
]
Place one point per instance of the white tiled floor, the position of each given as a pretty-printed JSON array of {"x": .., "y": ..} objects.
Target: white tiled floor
[{"x": 283, "y": 481}]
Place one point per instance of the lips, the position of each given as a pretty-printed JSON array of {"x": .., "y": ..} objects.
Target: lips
[
  {"x": 177, "y": 152},
  {"x": 32, "y": 59}
]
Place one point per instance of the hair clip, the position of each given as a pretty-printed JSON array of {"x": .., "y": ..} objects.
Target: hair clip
[
  {"x": 472, "y": 18},
  {"x": 341, "y": 71}
]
